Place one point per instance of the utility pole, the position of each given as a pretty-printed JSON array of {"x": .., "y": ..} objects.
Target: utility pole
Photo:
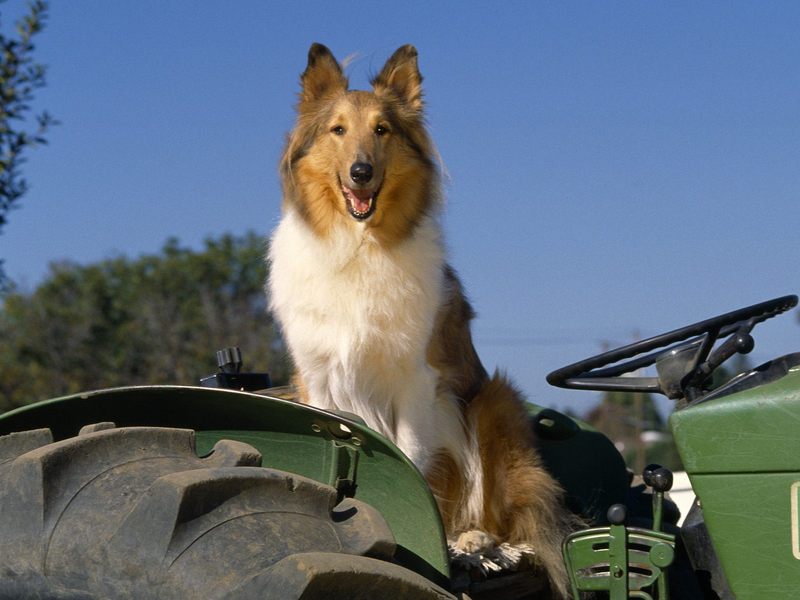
[
  {"x": 638, "y": 415},
  {"x": 638, "y": 412}
]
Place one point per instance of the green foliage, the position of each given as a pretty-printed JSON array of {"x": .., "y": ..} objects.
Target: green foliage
[
  {"x": 664, "y": 452},
  {"x": 155, "y": 319},
  {"x": 622, "y": 415},
  {"x": 633, "y": 423},
  {"x": 19, "y": 77}
]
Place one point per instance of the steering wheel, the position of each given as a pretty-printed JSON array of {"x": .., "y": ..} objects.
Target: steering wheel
[{"x": 683, "y": 357}]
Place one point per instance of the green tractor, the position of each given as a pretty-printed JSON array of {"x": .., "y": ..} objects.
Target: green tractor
[{"x": 231, "y": 490}]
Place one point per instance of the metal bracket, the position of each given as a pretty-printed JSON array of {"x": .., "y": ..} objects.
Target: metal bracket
[
  {"x": 341, "y": 456},
  {"x": 343, "y": 470}
]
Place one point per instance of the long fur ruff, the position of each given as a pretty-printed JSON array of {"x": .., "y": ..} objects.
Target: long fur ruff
[{"x": 377, "y": 322}]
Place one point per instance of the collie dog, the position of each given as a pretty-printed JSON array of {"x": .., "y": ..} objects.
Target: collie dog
[{"x": 376, "y": 321}]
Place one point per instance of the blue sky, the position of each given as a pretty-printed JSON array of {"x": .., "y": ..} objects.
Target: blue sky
[{"x": 615, "y": 168}]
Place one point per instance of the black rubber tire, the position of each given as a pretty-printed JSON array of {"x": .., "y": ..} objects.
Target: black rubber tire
[{"x": 133, "y": 513}]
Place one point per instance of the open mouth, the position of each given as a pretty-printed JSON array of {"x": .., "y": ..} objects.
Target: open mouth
[{"x": 360, "y": 202}]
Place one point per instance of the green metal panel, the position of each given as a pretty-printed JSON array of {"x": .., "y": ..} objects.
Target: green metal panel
[
  {"x": 752, "y": 519},
  {"x": 290, "y": 436},
  {"x": 754, "y": 431},
  {"x": 742, "y": 453}
]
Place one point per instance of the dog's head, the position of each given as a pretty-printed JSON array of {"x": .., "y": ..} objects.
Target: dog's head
[{"x": 362, "y": 156}]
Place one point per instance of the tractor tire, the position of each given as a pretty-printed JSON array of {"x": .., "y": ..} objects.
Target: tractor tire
[{"x": 133, "y": 512}]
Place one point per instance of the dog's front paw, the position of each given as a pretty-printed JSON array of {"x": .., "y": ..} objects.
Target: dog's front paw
[{"x": 475, "y": 542}]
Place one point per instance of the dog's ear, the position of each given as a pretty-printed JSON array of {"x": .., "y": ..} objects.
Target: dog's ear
[
  {"x": 323, "y": 76},
  {"x": 400, "y": 77}
]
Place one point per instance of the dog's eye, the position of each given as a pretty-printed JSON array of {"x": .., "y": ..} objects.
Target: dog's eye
[
  {"x": 338, "y": 130},
  {"x": 381, "y": 130}
]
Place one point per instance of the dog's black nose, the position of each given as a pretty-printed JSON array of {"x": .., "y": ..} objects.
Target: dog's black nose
[{"x": 361, "y": 172}]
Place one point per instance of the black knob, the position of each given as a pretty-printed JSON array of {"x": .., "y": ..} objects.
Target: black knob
[
  {"x": 744, "y": 343},
  {"x": 647, "y": 474},
  {"x": 662, "y": 480},
  {"x": 616, "y": 514},
  {"x": 229, "y": 360}
]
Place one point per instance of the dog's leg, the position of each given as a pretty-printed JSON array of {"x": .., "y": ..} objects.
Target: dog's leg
[
  {"x": 523, "y": 504},
  {"x": 475, "y": 542},
  {"x": 426, "y": 423}
]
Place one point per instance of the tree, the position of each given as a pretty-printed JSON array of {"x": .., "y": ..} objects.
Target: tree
[
  {"x": 632, "y": 422},
  {"x": 156, "y": 319},
  {"x": 20, "y": 75}
]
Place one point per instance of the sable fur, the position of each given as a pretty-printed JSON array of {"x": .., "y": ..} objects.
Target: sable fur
[{"x": 376, "y": 320}]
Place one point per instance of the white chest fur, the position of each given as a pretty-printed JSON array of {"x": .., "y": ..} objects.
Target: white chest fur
[{"x": 358, "y": 319}]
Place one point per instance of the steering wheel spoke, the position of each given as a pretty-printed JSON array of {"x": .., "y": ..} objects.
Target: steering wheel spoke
[{"x": 613, "y": 384}]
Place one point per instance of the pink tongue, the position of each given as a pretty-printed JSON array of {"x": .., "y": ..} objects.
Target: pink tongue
[
  {"x": 361, "y": 199},
  {"x": 361, "y": 206}
]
